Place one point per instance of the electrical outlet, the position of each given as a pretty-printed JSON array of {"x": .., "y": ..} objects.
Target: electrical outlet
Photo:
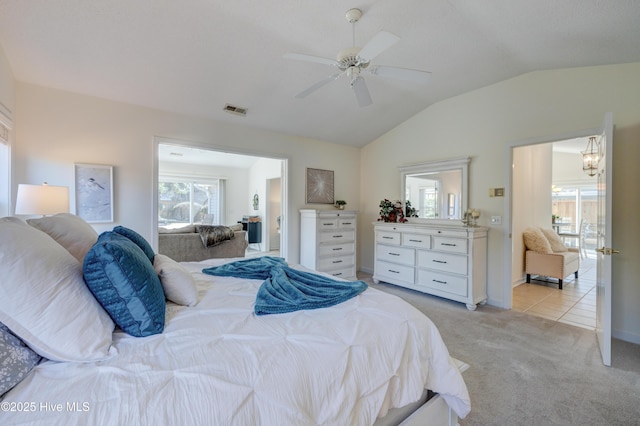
[{"x": 496, "y": 220}]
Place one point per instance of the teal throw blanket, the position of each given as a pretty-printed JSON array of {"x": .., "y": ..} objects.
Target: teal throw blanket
[{"x": 286, "y": 289}]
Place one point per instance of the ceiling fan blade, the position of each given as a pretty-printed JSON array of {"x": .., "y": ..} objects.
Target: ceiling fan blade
[
  {"x": 361, "y": 91},
  {"x": 414, "y": 76},
  {"x": 378, "y": 44},
  {"x": 309, "y": 58},
  {"x": 318, "y": 85}
]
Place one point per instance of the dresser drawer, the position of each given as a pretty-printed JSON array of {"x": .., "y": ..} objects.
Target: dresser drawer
[
  {"x": 394, "y": 272},
  {"x": 337, "y": 236},
  {"x": 442, "y": 261},
  {"x": 331, "y": 223},
  {"x": 388, "y": 237},
  {"x": 329, "y": 263},
  {"x": 403, "y": 255},
  {"x": 336, "y": 249},
  {"x": 451, "y": 245},
  {"x": 346, "y": 273},
  {"x": 442, "y": 282},
  {"x": 346, "y": 223},
  {"x": 416, "y": 240}
]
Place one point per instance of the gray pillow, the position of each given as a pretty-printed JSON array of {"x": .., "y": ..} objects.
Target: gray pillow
[{"x": 16, "y": 360}]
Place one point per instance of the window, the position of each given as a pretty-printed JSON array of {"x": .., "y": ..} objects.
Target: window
[
  {"x": 573, "y": 204},
  {"x": 185, "y": 201}
]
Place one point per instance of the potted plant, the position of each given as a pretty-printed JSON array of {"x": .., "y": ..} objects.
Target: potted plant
[
  {"x": 391, "y": 211},
  {"x": 339, "y": 204}
]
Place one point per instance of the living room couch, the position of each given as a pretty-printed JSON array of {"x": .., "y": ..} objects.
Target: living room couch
[{"x": 185, "y": 244}]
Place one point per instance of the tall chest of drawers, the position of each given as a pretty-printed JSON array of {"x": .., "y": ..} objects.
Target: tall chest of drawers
[
  {"x": 446, "y": 261},
  {"x": 328, "y": 241}
]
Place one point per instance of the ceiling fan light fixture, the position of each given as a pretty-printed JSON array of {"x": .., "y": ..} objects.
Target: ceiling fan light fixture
[{"x": 353, "y": 15}]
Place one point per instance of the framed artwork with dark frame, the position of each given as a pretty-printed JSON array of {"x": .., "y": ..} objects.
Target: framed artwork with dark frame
[
  {"x": 319, "y": 186},
  {"x": 94, "y": 192}
]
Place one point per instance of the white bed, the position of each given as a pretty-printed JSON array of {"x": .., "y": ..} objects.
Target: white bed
[{"x": 217, "y": 363}]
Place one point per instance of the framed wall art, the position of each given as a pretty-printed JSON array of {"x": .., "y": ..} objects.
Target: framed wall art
[
  {"x": 319, "y": 186},
  {"x": 94, "y": 192}
]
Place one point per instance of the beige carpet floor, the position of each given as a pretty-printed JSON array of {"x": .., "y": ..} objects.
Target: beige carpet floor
[{"x": 526, "y": 370}]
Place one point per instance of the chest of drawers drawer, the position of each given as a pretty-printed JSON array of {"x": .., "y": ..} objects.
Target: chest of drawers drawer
[
  {"x": 388, "y": 238},
  {"x": 448, "y": 244},
  {"x": 346, "y": 223},
  {"x": 441, "y": 282},
  {"x": 442, "y": 262},
  {"x": 394, "y": 272},
  {"x": 329, "y": 224},
  {"x": 336, "y": 249},
  {"x": 329, "y": 263},
  {"x": 338, "y": 237},
  {"x": 416, "y": 240},
  {"x": 346, "y": 273},
  {"x": 402, "y": 255}
]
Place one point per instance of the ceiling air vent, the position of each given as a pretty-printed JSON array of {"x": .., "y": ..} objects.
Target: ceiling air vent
[{"x": 235, "y": 110}]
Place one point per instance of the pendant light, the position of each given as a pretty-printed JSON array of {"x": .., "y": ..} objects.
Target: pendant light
[{"x": 591, "y": 157}]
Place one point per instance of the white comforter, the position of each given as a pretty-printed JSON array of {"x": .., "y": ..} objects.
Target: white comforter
[{"x": 219, "y": 364}]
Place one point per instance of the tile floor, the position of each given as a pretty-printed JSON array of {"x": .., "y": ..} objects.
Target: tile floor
[{"x": 575, "y": 304}]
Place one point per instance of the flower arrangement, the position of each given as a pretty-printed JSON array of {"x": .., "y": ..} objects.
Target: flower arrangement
[{"x": 391, "y": 211}]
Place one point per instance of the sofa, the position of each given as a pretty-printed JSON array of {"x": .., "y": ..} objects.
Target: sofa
[
  {"x": 185, "y": 244},
  {"x": 547, "y": 255}
]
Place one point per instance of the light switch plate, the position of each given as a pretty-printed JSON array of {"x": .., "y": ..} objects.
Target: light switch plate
[{"x": 496, "y": 220}]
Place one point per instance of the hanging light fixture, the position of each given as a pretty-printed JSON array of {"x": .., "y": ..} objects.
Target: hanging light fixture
[{"x": 591, "y": 157}]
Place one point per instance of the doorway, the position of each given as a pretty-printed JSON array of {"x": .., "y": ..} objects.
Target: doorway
[
  {"x": 551, "y": 191},
  {"x": 242, "y": 193}
]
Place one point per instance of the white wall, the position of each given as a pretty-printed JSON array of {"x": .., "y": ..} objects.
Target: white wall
[
  {"x": 482, "y": 123},
  {"x": 263, "y": 169},
  {"x": 7, "y": 106},
  {"x": 531, "y": 198},
  {"x": 567, "y": 169},
  {"x": 54, "y": 129}
]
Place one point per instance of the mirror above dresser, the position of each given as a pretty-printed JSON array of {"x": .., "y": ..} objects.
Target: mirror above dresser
[{"x": 436, "y": 190}]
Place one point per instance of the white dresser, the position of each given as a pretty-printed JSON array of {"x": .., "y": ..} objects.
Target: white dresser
[
  {"x": 328, "y": 241},
  {"x": 449, "y": 261}
]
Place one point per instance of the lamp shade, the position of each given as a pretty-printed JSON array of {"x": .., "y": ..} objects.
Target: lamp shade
[{"x": 42, "y": 199}]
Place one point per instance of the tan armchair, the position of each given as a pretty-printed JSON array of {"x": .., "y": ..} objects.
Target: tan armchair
[
  {"x": 554, "y": 265},
  {"x": 546, "y": 255}
]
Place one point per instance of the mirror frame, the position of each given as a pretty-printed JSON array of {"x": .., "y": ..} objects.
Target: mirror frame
[{"x": 461, "y": 163}]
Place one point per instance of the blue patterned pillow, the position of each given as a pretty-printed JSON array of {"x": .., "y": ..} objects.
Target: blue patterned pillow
[
  {"x": 137, "y": 239},
  {"x": 16, "y": 360},
  {"x": 122, "y": 279}
]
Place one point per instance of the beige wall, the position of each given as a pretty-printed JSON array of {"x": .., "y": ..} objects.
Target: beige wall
[
  {"x": 483, "y": 123},
  {"x": 7, "y": 105},
  {"x": 531, "y": 198},
  {"x": 54, "y": 129}
]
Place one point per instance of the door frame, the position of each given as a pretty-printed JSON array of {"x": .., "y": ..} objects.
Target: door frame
[
  {"x": 507, "y": 290},
  {"x": 284, "y": 202}
]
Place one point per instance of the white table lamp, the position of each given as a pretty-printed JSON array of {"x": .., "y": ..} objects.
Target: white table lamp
[{"x": 42, "y": 199}]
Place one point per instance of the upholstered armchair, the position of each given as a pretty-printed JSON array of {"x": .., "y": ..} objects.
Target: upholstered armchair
[{"x": 546, "y": 255}]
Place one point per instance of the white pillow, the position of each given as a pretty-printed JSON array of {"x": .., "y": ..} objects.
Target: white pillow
[
  {"x": 70, "y": 231},
  {"x": 535, "y": 240},
  {"x": 44, "y": 300},
  {"x": 178, "y": 283},
  {"x": 554, "y": 240}
]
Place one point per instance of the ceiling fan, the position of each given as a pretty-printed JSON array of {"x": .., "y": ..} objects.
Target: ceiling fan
[{"x": 355, "y": 61}]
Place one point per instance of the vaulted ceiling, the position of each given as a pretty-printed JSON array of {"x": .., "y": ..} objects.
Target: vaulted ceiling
[{"x": 195, "y": 56}]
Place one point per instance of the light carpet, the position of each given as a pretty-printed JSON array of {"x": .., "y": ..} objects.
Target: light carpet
[{"x": 526, "y": 370}]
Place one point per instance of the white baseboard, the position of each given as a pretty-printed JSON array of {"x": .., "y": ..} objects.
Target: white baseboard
[{"x": 626, "y": 336}]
